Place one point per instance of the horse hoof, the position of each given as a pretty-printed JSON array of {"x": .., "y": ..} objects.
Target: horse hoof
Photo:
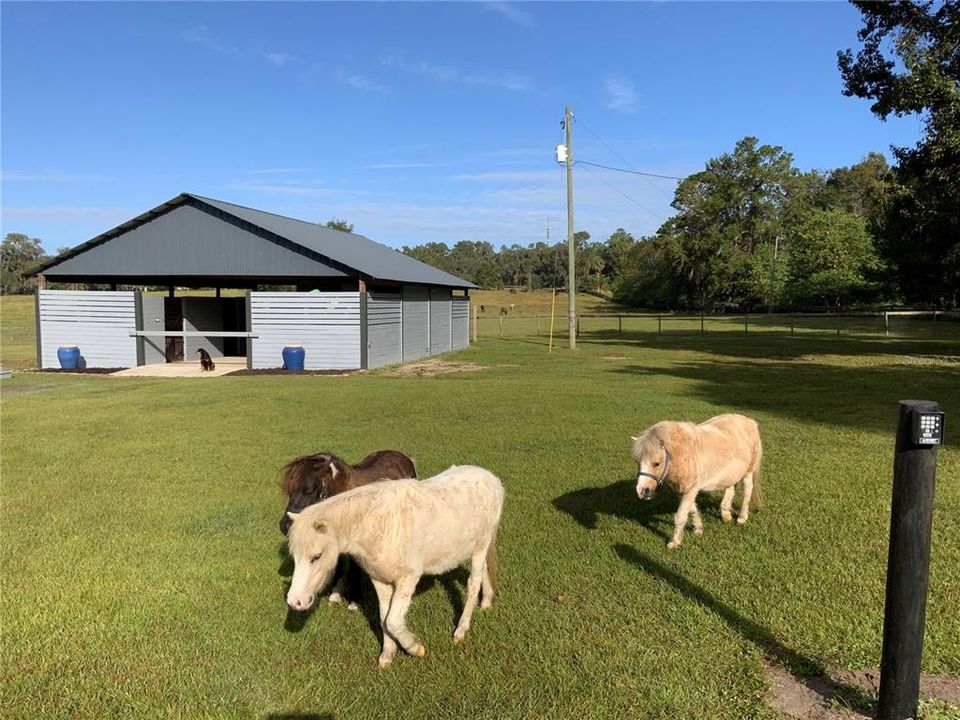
[
  {"x": 335, "y": 599},
  {"x": 353, "y": 607},
  {"x": 486, "y": 605},
  {"x": 741, "y": 520},
  {"x": 673, "y": 544},
  {"x": 384, "y": 663},
  {"x": 698, "y": 531},
  {"x": 418, "y": 651},
  {"x": 726, "y": 518}
]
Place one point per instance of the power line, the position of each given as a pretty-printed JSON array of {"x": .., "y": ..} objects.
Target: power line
[
  {"x": 618, "y": 190},
  {"x": 626, "y": 162},
  {"x": 623, "y": 170}
]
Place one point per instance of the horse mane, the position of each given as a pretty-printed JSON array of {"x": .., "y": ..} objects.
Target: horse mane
[{"x": 299, "y": 471}]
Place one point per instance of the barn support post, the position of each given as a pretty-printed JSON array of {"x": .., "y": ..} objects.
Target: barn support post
[
  {"x": 138, "y": 324},
  {"x": 249, "y": 331},
  {"x": 908, "y": 561},
  {"x": 474, "y": 323},
  {"x": 36, "y": 297},
  {"x": 41, "y": 282},
  {"x": 363, "y": 330}
]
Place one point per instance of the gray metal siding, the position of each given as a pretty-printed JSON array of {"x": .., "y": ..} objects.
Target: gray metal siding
[
  {"x": 153, "y": 321},
  {"x": 99, "y": 323},
  {"x": 188, "y": 241},
  {"x": 384, "y": 329},
  {"x": 416, "y": 322},
  {"x": 199, "y": 314},
  {"x": 460, "y": 316},
  {"x": 440, "y": 300},
  {"x": 327, "y": 325}
]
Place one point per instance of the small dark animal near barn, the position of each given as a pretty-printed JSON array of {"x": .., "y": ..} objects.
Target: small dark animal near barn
[
  {"x": 206, "y": 362},
  {"x": 503, "y": 311},
  {"x": 714, "y": 455},
  {"x": 312, "y": 478}
]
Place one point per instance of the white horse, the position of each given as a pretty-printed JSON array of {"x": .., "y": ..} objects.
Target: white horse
[
  {"x": 714, "y": 455},
  {"x": 399, "y": 530}
]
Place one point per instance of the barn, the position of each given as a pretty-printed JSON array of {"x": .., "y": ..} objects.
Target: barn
[{"x": 350, "y": 302}]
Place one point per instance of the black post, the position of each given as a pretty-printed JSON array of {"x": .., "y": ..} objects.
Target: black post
[{"x": 908, "y": 564}]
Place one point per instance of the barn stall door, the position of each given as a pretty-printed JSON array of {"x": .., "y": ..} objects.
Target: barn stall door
[{"x": 416, "y": 322}]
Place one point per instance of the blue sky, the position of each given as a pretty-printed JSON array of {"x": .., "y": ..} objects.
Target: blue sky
[{"x": 418, "y": 122}]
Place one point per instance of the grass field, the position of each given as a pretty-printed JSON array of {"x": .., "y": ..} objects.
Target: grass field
[{"x": 144, "y": 576}]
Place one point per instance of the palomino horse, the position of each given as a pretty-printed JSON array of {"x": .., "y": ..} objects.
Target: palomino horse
[
  {"x": 312, "y": 478},
  {"x": 714, "y": 455},
  {"x": 399, "y": 530}
]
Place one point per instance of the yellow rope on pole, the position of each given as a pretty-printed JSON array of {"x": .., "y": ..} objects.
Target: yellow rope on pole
[{"x": 553, "y": 304}]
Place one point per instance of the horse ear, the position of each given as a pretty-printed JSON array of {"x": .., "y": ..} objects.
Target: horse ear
[
  {"x": 320, "y": 527},
  {"x": 333, "y": 469},
  {"x": 293, "y": 515},
  {"x": 633, "y": 438}
]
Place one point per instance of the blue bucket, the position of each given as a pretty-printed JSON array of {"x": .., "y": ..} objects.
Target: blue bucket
[
  {"x": 69, "y": 357},
  {"x": 293, "y": 356}
]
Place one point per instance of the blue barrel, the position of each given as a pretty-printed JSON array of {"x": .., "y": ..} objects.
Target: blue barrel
[
  {"x": 293, "y": 356},
  {"x": 69, "y": 357}
]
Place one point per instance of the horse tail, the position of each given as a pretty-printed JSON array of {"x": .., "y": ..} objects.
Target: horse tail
[
  {"x": 296, "y": 472},
  {"x": 757, "y": 496},
  {"x": 492, "y": 561}
]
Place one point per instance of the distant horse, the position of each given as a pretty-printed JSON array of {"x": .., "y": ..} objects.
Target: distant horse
[
  {"x": 398, "y": 531},
  {"x": 503, "y": 310},
  {"x": 312, "y": 478},
  {"x": 714, "y": 455}
]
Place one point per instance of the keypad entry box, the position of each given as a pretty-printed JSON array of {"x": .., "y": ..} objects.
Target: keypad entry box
[{"x": 927, "y": 428}]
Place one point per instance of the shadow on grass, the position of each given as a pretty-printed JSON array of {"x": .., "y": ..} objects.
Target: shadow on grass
[
  {"x": 812, "y": 673},
  {"x": 620, "y": 500},
  {"x": 860, "y": 397},
  {"x": 298, "y": 716}
]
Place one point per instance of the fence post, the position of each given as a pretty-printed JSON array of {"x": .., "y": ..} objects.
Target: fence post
[
  {"x": 619, "y": 324},
  {"x": 659, "y": 324},
  {"x": 792, "y": 320},
  {"x": 578, "y": 326},
  {"x": 701, "y": 323},
  {"x": 538, "y": 324},
  {"x": 886, "y": 323},
  {"x": 838, "y": 322},
  {"x": 745, "y": 316},
  {"x": 474, "y": 322},
  {"x": 908, "y": 561},
  {"x": 500, "y": 318}
]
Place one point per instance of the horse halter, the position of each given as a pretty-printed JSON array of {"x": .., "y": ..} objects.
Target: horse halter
[{"x": 663, "y": 474}]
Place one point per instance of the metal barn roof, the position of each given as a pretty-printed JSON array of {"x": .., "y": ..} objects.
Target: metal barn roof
[{"x": 192, "y": 236}]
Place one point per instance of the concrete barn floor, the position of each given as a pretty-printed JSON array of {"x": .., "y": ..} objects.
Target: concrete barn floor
[{"x": 181, "y": 369}]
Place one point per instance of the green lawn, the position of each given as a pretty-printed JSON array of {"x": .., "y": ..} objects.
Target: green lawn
[{"x": 143, "y": 574}]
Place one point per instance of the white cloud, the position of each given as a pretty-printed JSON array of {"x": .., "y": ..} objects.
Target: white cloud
[
  {"x": 278, "y": 59},
  {"x": 451, "y": 74},
  {"x": 274, "y": 171},
  {"x": 622, "y": 96},
  {"x": 403, "y": 165},
  {"x": 51, "y": 176},
  {"x": 201, "y": 35},
  {"x": 512, "y": 12}
]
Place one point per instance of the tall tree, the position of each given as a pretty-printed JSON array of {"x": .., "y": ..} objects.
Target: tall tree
[
  {"x": 724, "y": 214},
  {"x": 341, "y": 225},
  {"x": 910, "y": 64},
  {"x": 18, "y": 253},
  {"x": 831, "y": 259}
]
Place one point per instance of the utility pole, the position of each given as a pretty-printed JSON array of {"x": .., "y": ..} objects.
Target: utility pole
[{"x": 571, "y": 254}]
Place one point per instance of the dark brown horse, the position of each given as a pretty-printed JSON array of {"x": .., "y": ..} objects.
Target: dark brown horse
[{"x": 312, "y": 478}]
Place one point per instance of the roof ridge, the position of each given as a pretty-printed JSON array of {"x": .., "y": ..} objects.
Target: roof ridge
[{"x": 269, "y": 212}]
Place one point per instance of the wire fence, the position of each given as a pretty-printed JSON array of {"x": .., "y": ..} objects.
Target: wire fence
[{"x": 912, "y": 324}]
